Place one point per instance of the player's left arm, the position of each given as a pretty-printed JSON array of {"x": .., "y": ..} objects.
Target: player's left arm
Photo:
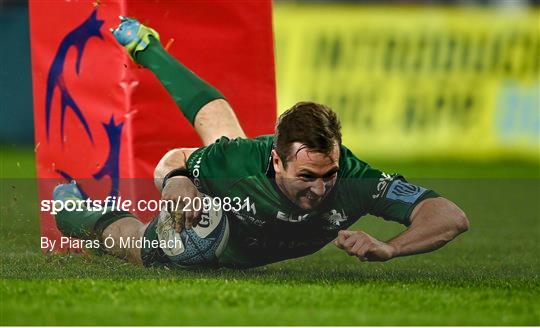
[{"x": 433, "y": 223}]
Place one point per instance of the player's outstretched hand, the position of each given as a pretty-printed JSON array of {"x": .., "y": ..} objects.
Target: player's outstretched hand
[
  {"x": 365, "y": 247},
  {"x": 181, "y": 191}
]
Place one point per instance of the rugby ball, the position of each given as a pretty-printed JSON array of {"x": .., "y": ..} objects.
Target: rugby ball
[{"x": 198, "y": 246}]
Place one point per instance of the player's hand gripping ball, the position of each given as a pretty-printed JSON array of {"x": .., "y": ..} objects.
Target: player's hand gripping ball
[
  {"x": 200, "y": 245},
  {"x": 180, "y": 190}
]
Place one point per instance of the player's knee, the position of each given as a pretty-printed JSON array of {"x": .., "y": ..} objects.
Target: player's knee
[{"x": 124, "y": 227}]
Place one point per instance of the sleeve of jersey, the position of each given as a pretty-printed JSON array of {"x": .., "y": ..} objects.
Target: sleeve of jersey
[
  {"x": 391, "y": 197},
  {"x": 381, "y": 194},
  {"x": 216, "y": 167}
]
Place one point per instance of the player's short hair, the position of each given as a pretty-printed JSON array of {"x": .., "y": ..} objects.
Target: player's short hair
[{"x": 314, "y": 125}]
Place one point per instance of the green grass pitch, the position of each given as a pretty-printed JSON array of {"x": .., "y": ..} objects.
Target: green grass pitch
[{"x": 488, "y": 276}]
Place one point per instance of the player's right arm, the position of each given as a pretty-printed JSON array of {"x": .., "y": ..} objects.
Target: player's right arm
[{"x": 213, "y": 168}]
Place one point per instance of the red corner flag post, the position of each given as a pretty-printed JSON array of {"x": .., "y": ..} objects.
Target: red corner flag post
[{"x": 104, "y": 121}]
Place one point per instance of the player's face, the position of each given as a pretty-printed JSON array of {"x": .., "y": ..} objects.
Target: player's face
[{"x": 309, "y": 176}]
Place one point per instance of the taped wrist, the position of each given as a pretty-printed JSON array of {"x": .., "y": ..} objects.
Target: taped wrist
[
  {"x": 175, "y": 173},
  {"x": 188, "y": 90}
]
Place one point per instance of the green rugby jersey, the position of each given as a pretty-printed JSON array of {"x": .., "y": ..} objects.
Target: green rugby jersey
[{"x": 268, "y": 227}]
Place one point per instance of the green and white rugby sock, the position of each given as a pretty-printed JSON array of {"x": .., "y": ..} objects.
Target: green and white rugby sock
[{"x": 85, "y": 224}]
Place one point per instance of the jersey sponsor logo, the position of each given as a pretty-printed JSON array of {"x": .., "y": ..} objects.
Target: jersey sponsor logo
[
  {"x": 249, "y": 219},
  {"x": 405, "y": 192},
  {"x": 335, "y": 219},
  {"x": 288, "y": 217},
  {"x": 196, "y": 172},
  {"x": 384, "y": 180}
]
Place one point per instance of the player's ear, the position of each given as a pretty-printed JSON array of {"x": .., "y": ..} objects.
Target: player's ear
[{"x": 276, "y": 162}]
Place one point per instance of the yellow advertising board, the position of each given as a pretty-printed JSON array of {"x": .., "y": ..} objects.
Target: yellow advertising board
[{"x": 416, "y": 81}]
